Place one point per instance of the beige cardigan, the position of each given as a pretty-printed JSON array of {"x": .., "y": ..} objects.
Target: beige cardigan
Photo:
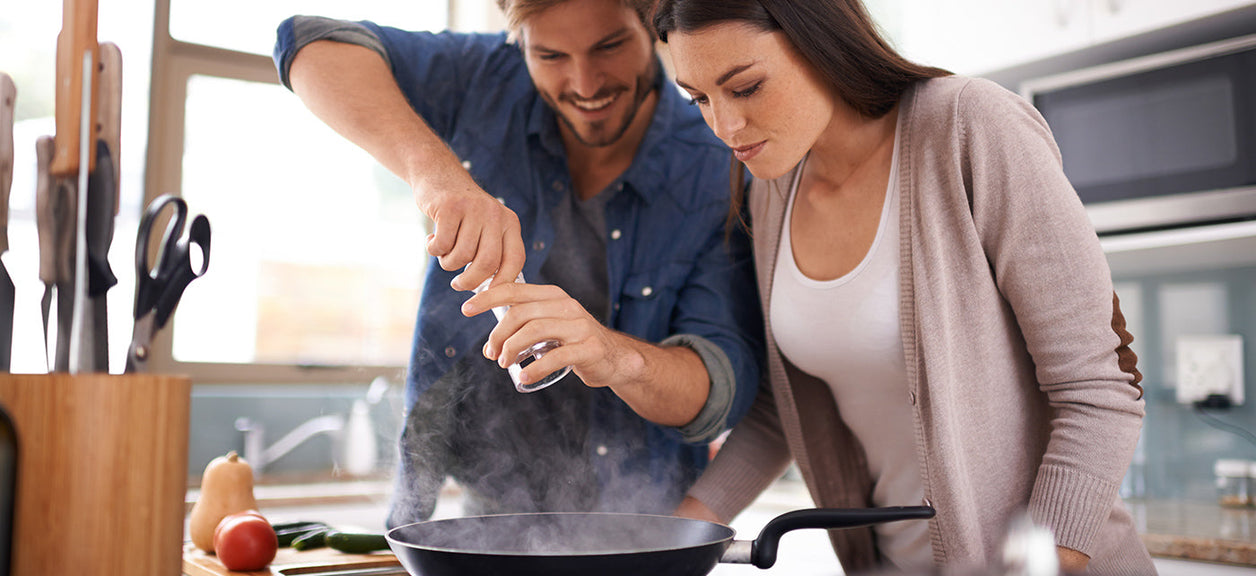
[{"x": 1023, "y": 389}]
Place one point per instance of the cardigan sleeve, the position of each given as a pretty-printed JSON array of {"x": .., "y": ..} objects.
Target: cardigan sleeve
[
  {"x": 1049, "y": 266},
  {"x": 754, "y": 455}
]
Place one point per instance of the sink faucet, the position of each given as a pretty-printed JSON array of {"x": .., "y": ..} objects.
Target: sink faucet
[
  {"x": 354, "y": 435},
  {"x": 259, "y": 455}
]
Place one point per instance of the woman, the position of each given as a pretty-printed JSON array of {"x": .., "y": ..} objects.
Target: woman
[{"x": 942, "y": 324}]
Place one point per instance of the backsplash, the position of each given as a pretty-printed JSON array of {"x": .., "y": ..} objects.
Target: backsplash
[
  {"x": 1179, "y": 445},
  {"x": 281, "y": 409}
]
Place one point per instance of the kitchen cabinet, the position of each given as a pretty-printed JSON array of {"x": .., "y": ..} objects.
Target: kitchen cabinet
[
  {"x": 977, "y": 36},
  {"x": 969, "y": 36},
  {"x": 1115, "y": 19}
]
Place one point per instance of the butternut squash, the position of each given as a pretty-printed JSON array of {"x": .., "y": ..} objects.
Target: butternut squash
[{"x": 226, "y": 488}]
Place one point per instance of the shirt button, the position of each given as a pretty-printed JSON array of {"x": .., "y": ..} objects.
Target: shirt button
[
  {"x": 601, "y": 450},
  {"x": 912, "y": 397},
  {"x": 928, "y": 503},
  {"x": 619, "y": 186},
  {"x": 558, "y": 185},
  {"x": 466, "y": 164},
  {"x": 502, "y": 199},
  {"x": 647, "y": 291},
  {"x": 450, "y": 352},
  {"x": 538, "y": 245},
  {"x": 616, "y": 306},
  {"x": 616, "y": 233}
]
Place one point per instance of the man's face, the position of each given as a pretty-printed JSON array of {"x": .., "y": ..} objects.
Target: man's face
[{"x": 593, "y": 63}]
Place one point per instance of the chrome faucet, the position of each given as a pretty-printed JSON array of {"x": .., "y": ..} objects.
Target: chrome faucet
[
  {"x": 353, "y": 436},
  {"x": 258, "y": 455}
]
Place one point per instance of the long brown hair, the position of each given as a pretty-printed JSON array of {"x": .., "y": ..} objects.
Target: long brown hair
[{"x": 836, "y": 37}]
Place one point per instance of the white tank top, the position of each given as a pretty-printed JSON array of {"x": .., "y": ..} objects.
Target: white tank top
[{"x": 846, "y": 332}]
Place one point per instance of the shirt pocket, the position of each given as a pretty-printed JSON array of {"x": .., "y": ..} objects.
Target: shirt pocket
[{"x": 648, "y": 300}]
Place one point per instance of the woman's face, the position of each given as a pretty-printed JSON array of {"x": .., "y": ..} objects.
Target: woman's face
[{"x": 756, "y": 92}]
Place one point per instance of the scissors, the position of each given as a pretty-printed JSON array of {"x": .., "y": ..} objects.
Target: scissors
[{"x": 158, "y": 288}]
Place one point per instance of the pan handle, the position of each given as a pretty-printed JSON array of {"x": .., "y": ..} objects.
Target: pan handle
[{"x": 763, "y": 549}]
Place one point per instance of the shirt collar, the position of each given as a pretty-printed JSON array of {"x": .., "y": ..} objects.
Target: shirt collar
[{"x": 643, "y": 177}]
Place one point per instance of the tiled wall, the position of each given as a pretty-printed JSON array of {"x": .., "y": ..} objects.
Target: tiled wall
[
  {"x": 1179, "y": 445},
  {"x": 281, "y": 409}
]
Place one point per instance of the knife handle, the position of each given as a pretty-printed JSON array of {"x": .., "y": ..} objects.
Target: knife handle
[
  {"x": 8, "y": 98},
  {"x": 51, "y": 220},
  {"x": 109, "y": 94},
  {"x": 78, "y": 36}
]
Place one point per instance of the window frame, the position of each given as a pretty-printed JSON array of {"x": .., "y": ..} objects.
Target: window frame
[{"x": 174, "y": 63}]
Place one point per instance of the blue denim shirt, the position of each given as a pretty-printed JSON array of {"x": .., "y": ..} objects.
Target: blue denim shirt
[{"x": 672, "y": 270}]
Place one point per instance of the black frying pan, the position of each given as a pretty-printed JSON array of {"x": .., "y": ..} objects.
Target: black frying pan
[{"x": 578, "y": 544}]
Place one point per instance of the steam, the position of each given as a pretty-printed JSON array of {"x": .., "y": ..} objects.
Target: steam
[
  {"x": 529, "y": 453},
  {"x": 561, "y": 534}
]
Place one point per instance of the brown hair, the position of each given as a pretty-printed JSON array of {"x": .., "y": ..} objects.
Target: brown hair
[
  {"x": 837, "y": 37},
  {"x": 518, "y": 11}
]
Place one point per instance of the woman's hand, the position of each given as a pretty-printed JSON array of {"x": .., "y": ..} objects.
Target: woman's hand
[{"x": 1072, "y": 561}]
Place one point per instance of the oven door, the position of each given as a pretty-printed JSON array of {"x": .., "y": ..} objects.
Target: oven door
[{"x": 1160, "y": 141}]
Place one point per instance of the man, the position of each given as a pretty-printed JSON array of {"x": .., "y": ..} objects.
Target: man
[{"x": 559, "y": 150}]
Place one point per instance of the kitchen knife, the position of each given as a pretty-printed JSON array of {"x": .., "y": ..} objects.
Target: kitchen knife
[
  {"x": 102, "y": 207},
  {"x": 8, "y": 97},
  {"x": 78, "y": 35},
  {"x": 64, "y": 191},
  {"x": 54, "y": 218}
]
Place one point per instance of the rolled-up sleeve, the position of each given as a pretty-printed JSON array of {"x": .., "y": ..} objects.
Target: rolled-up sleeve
[
  {"x": 298, "y": 31},
  {"x": 712, "y": 420}
]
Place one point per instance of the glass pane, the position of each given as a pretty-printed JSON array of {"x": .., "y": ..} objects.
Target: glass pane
[
  {"x": 220, "y": 23},
  {"x": 317, "y": 250},
  {"x": 28, "y": 44}
]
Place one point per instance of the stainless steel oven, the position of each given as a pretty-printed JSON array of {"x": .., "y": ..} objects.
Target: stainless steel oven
[{"x": 1162, "y": 141}]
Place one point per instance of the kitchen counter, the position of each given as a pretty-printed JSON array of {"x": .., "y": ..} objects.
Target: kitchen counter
[
  {"x": 1179, "y": 530},
  {"x": 1192, "y": 530}
]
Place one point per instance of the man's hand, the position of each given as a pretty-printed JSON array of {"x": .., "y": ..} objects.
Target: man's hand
[
  {"x": 542, "y": 312},
  {"x": 666, "y": 385},
  {"x": 473, "y": 230}
]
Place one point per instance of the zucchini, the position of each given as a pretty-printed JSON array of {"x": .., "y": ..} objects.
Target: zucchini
[
  {"x": 287, "y": 534},
  {"x": 288, "y": 526},
  {"x": 356, "y": 542},
  {"x": 316, "y": 538}
]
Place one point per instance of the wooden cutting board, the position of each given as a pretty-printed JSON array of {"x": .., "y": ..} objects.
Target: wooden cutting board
[{"x": 288, "y": 562}]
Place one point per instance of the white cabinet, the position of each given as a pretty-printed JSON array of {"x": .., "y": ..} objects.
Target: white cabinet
[
  {"x": 977, "y": 36},
  {"x": 1113, "y": 19},
  {"x": 969, "y": 36}
]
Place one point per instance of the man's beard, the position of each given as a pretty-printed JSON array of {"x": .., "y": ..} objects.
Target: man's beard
[{"x": 598, "y": 133}]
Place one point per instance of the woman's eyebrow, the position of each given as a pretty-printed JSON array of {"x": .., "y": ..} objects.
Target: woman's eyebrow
[{"x": 725, "y": 77}]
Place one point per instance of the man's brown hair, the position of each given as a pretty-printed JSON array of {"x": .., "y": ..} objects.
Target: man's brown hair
[{"x": 518, "y": 11}]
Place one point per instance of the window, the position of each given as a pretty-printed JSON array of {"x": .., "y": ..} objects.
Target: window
[{"x": 317, "y": 253}]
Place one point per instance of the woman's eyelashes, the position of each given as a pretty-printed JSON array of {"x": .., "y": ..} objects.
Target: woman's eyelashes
[
  {"x": 702, "y": 100},
  {"x": 748, "y": 91}
]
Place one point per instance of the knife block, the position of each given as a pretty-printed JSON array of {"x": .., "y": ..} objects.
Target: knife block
[{"x": 102, "y": 472}]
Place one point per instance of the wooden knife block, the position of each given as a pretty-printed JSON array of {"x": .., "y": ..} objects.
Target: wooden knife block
[{"x": 102, "y": 472}]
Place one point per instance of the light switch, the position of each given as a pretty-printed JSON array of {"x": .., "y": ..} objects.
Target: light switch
[{"x": 1210, "y": 364}]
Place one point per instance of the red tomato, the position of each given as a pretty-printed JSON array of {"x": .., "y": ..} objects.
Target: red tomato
[{"x": 245, "y": 541}]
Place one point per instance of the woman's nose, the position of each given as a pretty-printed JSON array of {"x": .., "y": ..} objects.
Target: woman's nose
[{"x": 726, "y": 121}]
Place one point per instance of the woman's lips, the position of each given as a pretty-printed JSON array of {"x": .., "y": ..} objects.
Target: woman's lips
[{"x": 744, "y": 153}]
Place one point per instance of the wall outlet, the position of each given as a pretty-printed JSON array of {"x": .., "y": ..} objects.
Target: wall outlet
[{"x": 1210, "y": 364}]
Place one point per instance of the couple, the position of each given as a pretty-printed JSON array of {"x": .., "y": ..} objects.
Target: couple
[{"x": 940, "y": 321}]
